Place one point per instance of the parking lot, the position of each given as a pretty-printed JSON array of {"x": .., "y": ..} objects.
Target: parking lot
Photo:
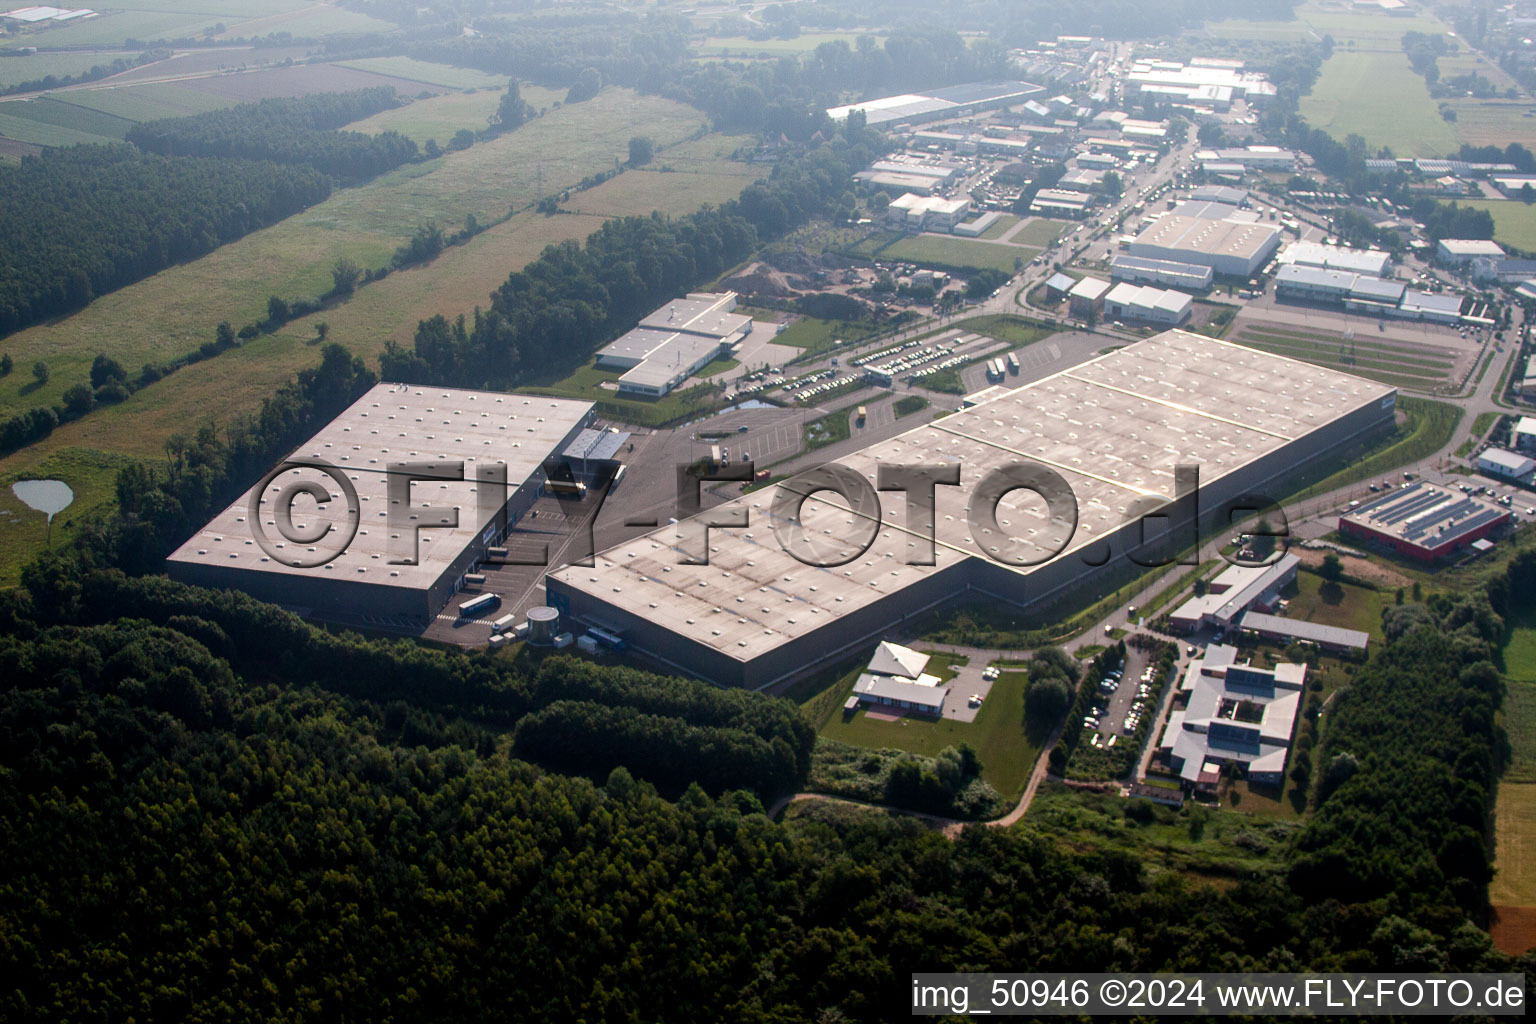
[{"x": 1130, "y": 699}]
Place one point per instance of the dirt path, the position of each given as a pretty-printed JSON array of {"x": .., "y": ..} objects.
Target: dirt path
[{"x": 950, "y": 826}]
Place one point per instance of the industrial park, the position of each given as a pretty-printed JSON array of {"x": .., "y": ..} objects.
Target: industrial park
[{"x": 755, "y": 512}]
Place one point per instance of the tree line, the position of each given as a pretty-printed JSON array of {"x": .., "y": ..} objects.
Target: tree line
[
  {"x": 288, "y": 130},
  {"x": 203, "y": 797},
  {"x": 82, "y": 221},
  {"x": 1410, "y": 759}
]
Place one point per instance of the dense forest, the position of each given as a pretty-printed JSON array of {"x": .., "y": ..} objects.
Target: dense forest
[
  {"x": 216, "y": 811},
  {"x": 82, "y": 221},
  {"x": 561, "y": 307},
  {"x": 298, "y": 130}
]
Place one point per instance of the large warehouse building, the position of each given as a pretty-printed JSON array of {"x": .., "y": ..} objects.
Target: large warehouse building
[
  {"x": 1232, "y": 248},
  {"x": 955, "y": 101},
  {"x": 1423, "y": 521},
  {"x": 390, "y": 424},
  {"x": 1114, "y": 428}
]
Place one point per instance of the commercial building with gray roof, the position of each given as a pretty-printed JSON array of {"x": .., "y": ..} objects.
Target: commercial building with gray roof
[
  {"x": 673, "y": 343},
  {"x": 1333, "y": 639},
  {"x": 488, "y": 433},
  {"x": 1113, "y": 428}
]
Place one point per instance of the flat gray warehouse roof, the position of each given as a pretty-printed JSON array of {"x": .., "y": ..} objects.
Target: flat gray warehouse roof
[
  {"x": 1114, "y": 428},
  {"x": 393, "y": 423}
]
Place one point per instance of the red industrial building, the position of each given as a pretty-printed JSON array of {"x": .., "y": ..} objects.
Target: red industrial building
[{"x": 1423, "y": 521}]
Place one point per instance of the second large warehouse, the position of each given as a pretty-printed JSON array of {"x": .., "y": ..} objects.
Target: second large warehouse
[
  {"x": 763, "y": 609},
  {"x": 493, "y": 436}
]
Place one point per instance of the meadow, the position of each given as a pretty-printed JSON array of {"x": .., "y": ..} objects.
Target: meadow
[
  {"x": 1515, "y": 812},
  {"x": 35, "y": 66},
  {"x": 998, "y": 735},
  {"x": 1314, "y": 20},
  {"x": 1344, "y": 605},
  {"x": 428, "y": 73},
  {"x": 1379, "y": 97},
  {"x": 741, "y": 46},
  {"x": 179, "y": 19},
  {"x": 1514, "y": 222},
  {"x": 176, "y": 311},
  {"x": 958, "y": 253},
  {"x": 439, "y": 117},
  {"x": 1039, "y": 232}
]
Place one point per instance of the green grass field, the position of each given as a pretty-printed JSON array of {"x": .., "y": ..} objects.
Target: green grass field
[
  {"x": 813, "y": 334},
  {"x": 1520, "y": 703},
  {"x": 1514, "y": 859},
  {"x": 40, "y": 133},
  {"x": 92, "y": 475},
  {"x": 955, "y": 252},
  {"x": 428, "y": 73},
  {"x": 438, "y": 117},
  {"x": 1514, "y": 222},
  {"x": 1344, "y": 605},
  {"x": 177, "y": 19},
  {"x": 1000, "y": 228},
  {"x": 177, "y": 310},
  {"x": 1315, "y": 19},
  {"x": 1378, "y": 96},
  {"x": 47, "y": 111},
  {"x": 997, "y": 734},
  {"x": 1039, "y": 232},
  {"x": 31, "y": 68},
  {"x": 147, "y": 102},
  {"x": 1013, "y": 329},
  {"x": 742, "y": 46}
]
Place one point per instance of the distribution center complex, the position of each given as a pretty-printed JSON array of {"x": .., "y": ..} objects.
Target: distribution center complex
[
  {"x": 1114, "y": 428},
  {"x": 390, "y": 424}
]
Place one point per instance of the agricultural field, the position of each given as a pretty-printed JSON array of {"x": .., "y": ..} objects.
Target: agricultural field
[
  {"x": 1378, "y": 96},
  {"x": 15, "y": 70},
  {"x": 68, "y": 115},
  {"x": 1314, "y": 20},
  {"x": 1494, "y": 122},
  {"x": 998, "y": 734},
  {"x": 1400, "y": 363},
  {"x": 439, "y": 117},
  {"x": 1515, "y": 855},
  {"x": 741, "y": 46},
  {"x": 413, "y": 70},
  {"x": 39, "y": 133},
  {"x": 147, "y": 102},
  {"x": 176, "y": 310},
  {"x": 930, "y": 250},
  {"x": 671, "y": 192},
  {"x": 1514, "y": 222},
  {"x": 180, "y": 19}
]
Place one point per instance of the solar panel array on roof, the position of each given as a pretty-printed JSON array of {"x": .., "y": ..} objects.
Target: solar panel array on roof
[{"x": 1427, "y": 515}]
